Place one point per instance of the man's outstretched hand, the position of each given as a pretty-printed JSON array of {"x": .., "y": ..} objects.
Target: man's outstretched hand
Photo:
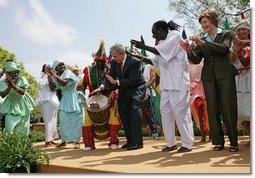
[{"x": 138, "y": 44}]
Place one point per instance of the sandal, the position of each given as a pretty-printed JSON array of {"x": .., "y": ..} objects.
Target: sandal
[
  {"x": 61, "y": 145},
  {"x": 53, "y": 143},
  {"x": 233, "y": 149},
  {"x": 218, "y": 147},
  {"x": 76, "y": 146},
  {"x": 48, "y": 144}
]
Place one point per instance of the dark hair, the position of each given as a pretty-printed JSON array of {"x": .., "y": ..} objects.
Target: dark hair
[
  {"x": 162, "y": 24},
  {"x": 43, "y": 68}
]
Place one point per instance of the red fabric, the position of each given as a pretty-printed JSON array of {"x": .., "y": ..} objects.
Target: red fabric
[
  {"x": 242, "y": 15},
  {"x": 156, "y": 42},
  {"x": 247, "y": 53},
  {"x": 121, "y": 67},
  {"x": 87, "y": 78},
  {"x": 103, "y": 58},
  {"x": 197, "y": 97},
  {"x": 199, "y": 102},
  {"x": 88, "y": 133},
  {"x": 114, "y": 129}
]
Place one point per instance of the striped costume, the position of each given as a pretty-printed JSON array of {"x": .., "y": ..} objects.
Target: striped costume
[{"x": 93, "y": 77}]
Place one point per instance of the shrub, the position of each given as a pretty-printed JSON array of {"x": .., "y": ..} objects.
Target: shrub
[
  {"x": 18, "y": 155},
  {"x": 37, "y": 136}
]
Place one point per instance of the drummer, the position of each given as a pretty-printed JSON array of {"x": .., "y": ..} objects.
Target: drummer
[{"x": 94, "y": 75}]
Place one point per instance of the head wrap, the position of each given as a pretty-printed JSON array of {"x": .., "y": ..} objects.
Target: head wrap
[
  {"x": 10, "y": 66},
  {"x": 55, "y": 64},
  {"x": 101, "y": 55},
  {"x": 243, "y": 25}
]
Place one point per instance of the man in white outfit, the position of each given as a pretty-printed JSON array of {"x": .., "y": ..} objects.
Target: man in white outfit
[{"x": 172, "y": 62}]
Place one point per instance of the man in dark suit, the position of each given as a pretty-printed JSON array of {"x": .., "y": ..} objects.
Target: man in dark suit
[{"x": 126, "y": 75}]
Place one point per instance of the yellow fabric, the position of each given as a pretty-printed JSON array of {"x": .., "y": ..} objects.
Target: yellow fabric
[
  {"x": 114, "y": 115},
  {"x": 156, "y": 86},
  {"x": 113, "y": 120},
  {"x": 73, "y": 68}
]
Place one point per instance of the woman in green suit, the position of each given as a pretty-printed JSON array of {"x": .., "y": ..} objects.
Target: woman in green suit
[
  {"x": 18, "y": 104},
  {"x": 218, "y": 77}
]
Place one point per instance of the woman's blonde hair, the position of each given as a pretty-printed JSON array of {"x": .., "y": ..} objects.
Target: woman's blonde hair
[{"x": 211, "y": 15}]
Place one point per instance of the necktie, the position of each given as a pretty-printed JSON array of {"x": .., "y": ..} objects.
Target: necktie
[{"x": 121, "y": 67}]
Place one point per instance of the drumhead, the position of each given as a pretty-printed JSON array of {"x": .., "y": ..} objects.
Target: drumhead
[{"x": 101, "y": 100}]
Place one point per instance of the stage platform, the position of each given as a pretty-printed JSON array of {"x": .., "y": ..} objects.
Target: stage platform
[{"x": 150, "y": 159}]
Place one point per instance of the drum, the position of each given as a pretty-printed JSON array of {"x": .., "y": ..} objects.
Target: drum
[
  {"x": 98, "y": 109},
  {"x": 101, "y": 131}
]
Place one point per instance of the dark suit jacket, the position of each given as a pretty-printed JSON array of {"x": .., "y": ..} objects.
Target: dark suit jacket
[
  {"x": 216, "y": 57},
  {"x": 132, "y": 83}
]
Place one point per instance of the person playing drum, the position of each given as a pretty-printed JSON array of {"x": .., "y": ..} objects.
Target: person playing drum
[{"x": 94, "y": 75}]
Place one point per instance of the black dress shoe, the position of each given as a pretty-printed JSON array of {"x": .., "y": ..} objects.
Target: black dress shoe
[
  {"x": 183, "y": 149},
  {"x": 125, "y": 146},
  {"x": 218, "y": 147},
  {"x": 167, "y": 149},
  {"x": 135, "y": 147},
  {"x": 233, "y": 148}
]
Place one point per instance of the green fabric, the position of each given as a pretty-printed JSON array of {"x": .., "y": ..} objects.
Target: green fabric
[
  {"x": 15, "y": 103},
  {"x": 55, "y": 64},
  {"x": 3, "y": 85},
  {"x": 21, "y": 123},
  {"x": 156, "y": 101},
  {"x": 143, "y": 52},
  {"x": 68, "y": 74},
  {"x": 70, "y": 101},
  {"x": 97, "y": 79},
  {"x": 10, "y": 66},
  {"x": 227, "y": 27}
]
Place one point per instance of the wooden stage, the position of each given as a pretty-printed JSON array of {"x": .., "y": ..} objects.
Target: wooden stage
[{"x": 150, "y": 159}]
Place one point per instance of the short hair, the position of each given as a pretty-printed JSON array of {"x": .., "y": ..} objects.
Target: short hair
[
  {"x": 118, "y": 48},
  {"x": 211, "y": 15}
]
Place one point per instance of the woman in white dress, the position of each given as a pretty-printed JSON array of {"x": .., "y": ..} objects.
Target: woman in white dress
[
  {"x": 48, "y": 103},
  {"x": 240, "y": 57}
]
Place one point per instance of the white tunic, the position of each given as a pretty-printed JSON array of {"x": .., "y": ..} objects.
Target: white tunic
[
  {"x": 243, "y": 86},
  {"x": 172, "y": 63},
  {"x": 48, "y": 103},
  {"x": 174, "y": 86},
  {"x": 45, "y": 93},
  {"x": 146, "y": 75}
]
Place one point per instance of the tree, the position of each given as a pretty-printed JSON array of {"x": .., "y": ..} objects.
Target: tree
[
  {"x": 230, "y": 9},
  {"x": 34, "y": 86}
]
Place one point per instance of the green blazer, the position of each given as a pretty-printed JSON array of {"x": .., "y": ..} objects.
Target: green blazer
[{"x": 216, "y": 57}]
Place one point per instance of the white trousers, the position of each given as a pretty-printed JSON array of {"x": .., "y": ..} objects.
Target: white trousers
[
  {"x": 50, "y": 113},
  {"x": 175, "y": 108}
]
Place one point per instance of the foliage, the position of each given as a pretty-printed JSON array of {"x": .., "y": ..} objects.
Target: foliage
[
  {"x": 36, "y": 136},
  {"x": 16, "y": 153},
  {"x": 121, "y": 133},
  {"x": 190, "y": 10}
]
